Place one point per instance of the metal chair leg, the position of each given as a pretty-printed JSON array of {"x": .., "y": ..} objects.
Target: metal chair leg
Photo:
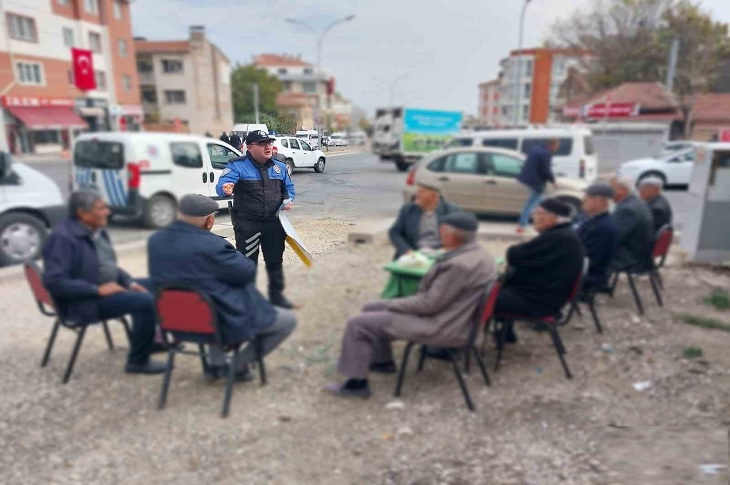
[
  {"x": 655, "y": 287},
  {"x": 594, "y": 314},
  {"x": 501, "y": 339},
  {"x": 127, "y": 328},
  {"x": 576, "y": 309},
  {"x": 229, "y": 384},
  {"x": 260, "y": 360},
  {"x": 462, "y": 384},
  {"x": 404, "y": 364},
  {"x": 467, "y": 361},
  {"x": 166, "y": 378},
  {"x": 108, "y": 335},
  {"x": 201, "y": 353},
  {"x": 74, "y": 353},
  {"x": 51, "y": 341},
  {"x": 421, "y": 358},
  {"x": 659, "y": 279},
  {"x": 560, "y": 349},
  {"x": 614, "y": 282},
  {"x": 482, "y": 367},
  {"x": 637, "y": 297}
]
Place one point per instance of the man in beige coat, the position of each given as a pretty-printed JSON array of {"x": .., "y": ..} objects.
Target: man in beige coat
[{"x": 438, "y": 314}]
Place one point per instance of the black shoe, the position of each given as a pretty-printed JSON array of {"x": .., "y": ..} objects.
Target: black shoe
[
  {"x": 158, "y": 347},
  {"x": 343, "y": 390},
  {"x": 384, "y": 367},
  {"x": 151, "y": 367},
  {"x": 281, "y": 302},
  {"x": 244, "y": 375},
  {"x": 439, "y": 353},
  {"x": 215, "y": 372}
]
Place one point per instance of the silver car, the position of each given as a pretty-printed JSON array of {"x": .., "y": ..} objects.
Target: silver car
[{"x": 484, "y": 180}]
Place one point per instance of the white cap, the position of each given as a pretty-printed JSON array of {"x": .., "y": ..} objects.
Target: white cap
[{"x": 652, "y": 180}]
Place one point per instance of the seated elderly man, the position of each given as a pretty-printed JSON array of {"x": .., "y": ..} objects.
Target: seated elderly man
[
  {"x": 599, "y": 235},
  {"x": 650, "y": 191},
  {"x": 635, "y": 227},
  {"x": 542, "y": 271},
  {"x": 417, "y": 225},
  {"x": 438, "y": 314},
  {"x": 186, "y": 252},
  {"x": 80, "y": 271}
]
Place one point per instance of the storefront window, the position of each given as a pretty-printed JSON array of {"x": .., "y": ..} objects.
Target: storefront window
[{"x": 42, "y": 137}]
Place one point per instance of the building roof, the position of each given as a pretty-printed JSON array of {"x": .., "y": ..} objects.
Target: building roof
[
  {"x": 555, "y": 51},
  {"x": 650, "y": 96},
  {"x": 277, "y": 60},
  {"x": 152, "y": 46},
  {"x": 712, "y": 107},
  {"x": 489, "y": 83},
  {"x": 292, "y": 100}
]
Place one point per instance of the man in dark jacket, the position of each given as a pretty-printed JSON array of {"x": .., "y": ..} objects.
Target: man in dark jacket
[
  {"x": 80, "y": 272},
  {"x": 650, "y": 191},
  {"x": 187, "y": 253},
  {"x": 599, "y": 235},
  {"x": 542, "y": 271},
  {"x": 260, "y": 185},
  {"x": 235, "y": 141},
  {"x": 417, "y": 225},
  {"x": 536, "y": 172},
  {"x": 224, "y": 138},
  {"x": 635, "y": 226}
]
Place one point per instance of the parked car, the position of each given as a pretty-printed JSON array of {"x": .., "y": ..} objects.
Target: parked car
[
  {"x": 310, "y": 136},
  {"x": 339, "y": 140},
  {"x": 674, "y": 168},
  {"x": 299, "y": 154},
  {"x": 671, "y": 147},
  {"x": 484, "y": 180}
]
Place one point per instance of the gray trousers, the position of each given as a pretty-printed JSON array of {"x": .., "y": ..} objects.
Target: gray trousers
[
  {"x": 270, "y": 337},
  {"x": 367, "y": 340}
]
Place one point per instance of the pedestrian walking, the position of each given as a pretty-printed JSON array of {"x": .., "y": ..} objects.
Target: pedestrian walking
[
  {"x": 536, "y": 172},
  {"x": 224, "y": 138},
  {"x": 260, "y": 185}
]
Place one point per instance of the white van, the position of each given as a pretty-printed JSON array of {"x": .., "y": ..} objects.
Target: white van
[
  {"x": 30, "y": 204},
  {"x": 310, "y": 136},
  {"x": 242, "y": 129},
  {"x": 143, "y": 175},
  {"x": 576, "y": 157}
]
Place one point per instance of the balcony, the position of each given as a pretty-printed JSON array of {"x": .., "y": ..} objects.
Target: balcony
[{"x": 147, "y": 78}]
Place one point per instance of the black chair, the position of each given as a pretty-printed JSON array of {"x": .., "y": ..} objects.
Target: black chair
[
  {"x": 481, "y": 316},
  {"x": 47, "y": 307},
  {"x": 659, "y": 252},
  {"x": 185, "y": 314},
  {"x": 551, "y": 322}
]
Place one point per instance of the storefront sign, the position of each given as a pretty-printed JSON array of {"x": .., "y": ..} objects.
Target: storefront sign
[
  {"x": 725, "y": 134},
  {"x": 611, "y": 110},
  {"x": 34, "y": 101}
]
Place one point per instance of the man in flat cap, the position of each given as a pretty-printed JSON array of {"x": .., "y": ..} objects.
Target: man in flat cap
[
  {"x": 543, "y": 270},
  {"x": 259, "y": 185},
  {"x": 599, "y": 234},
  {"x": 650, "y": 191},
  {"x": 417, "y": 225},
  {"x": 635, "y": 227},
  {"x": 438, "y": 314},
  {"x": 187, "y": 253}
]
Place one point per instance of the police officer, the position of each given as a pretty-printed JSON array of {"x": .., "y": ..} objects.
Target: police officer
[{"x": 260, "y": 185}]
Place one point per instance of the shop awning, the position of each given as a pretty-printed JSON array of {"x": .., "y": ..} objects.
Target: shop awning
[{"x": 47, "y": 117}]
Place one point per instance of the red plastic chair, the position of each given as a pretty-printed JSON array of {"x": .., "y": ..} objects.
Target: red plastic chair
[
  {"x": 47, "y": 307},
  {"x": 481, "y": 317},
  {"x": 552, "y": 322},
  {"x": 659, "y": 252},
  {"x": 186, "y": 314}
]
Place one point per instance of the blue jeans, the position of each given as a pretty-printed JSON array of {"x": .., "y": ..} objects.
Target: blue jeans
[
  {"x": 142, "y": 308},
  {"x": 530, "y": 205}
]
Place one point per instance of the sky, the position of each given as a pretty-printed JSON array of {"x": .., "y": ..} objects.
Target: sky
[{"x": 428, "y": 53}]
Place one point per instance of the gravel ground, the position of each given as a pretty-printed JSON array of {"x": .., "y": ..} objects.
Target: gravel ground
[{"x": 531, "y": 427}]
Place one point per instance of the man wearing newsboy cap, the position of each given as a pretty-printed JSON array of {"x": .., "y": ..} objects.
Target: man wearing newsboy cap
[
  {"x": 598, "y": 233},
  {"x": 187, "y": 253},
  {"x": 438, "y": 314}
]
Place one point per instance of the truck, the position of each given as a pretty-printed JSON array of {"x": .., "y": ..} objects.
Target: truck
[{"x": 404, "y": 135}]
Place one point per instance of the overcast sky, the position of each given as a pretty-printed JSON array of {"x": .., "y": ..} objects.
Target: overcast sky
[{"x": 444, "y": 48}]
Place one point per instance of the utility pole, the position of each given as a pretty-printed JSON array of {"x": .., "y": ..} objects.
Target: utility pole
[
  {"x": 672, "y": 69},
  {"x": 256, "y": 101}
]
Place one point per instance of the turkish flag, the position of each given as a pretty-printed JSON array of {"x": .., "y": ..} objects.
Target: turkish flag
[{"x": 83, "y": 69}]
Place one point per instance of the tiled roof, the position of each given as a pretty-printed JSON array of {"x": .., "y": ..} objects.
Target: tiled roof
[
  {"x": 276, "y": 60},
  {"x": 646, "y": 95},
  {"x": 712, "y": 107},
  {"x": 151, "y": 46}
]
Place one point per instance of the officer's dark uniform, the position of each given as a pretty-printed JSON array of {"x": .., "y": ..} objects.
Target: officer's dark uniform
[{"x": 258, "y": 194}]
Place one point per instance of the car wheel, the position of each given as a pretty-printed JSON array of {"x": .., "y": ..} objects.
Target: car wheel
[
  {"x": 289, "y": 166},
  {"x": 575, "y": 204},
  {"x": 652, "y": 174},
  {"x": 319, "y": 166},
  {"x": 159, "y": 211},
  {"x": 21, "y": 238}
]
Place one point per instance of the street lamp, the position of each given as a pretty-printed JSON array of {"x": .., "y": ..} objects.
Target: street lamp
[{"x": 515, "y": 115}]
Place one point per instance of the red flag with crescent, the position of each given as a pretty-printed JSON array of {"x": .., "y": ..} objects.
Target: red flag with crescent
[{"x": 83, "y": 69}]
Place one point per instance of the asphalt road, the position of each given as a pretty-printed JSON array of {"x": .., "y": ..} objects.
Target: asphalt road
[{"x": 354, "y": 187}]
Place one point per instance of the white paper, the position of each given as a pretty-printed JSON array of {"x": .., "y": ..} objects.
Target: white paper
[{"x": 292, "y": 238}]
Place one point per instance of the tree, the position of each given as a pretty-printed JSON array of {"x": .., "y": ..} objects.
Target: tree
[{"x": 243, "y": 79}]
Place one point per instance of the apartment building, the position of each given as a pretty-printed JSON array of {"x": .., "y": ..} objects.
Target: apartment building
[
  {"x": 530, "y": 83},
  {"x": 185, "y": 84},
  {"x": 306, "y": 91},
  {"x": 489, "y": 109},
  {"x": 41, "y": 110}
]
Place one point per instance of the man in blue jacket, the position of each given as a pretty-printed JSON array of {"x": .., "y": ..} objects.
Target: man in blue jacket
[
  {"x": 536, "y": 172},
  {"x": 187, "y": 253},
  {"x": 599, "y": 235},
  {"x": 259, "y": 186},
  {"x": 80, "y": 272}
]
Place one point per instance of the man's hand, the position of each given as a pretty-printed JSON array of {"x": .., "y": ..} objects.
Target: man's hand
[
  {"x": 228, "y": 188},
  {"x": 138, "y": 287},
  {"x": 288, "y": 207},
  {"x": 110, "y": 289}
]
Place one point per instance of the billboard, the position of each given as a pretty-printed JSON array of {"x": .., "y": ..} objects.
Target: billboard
[{"x": 427, "y": 130}]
